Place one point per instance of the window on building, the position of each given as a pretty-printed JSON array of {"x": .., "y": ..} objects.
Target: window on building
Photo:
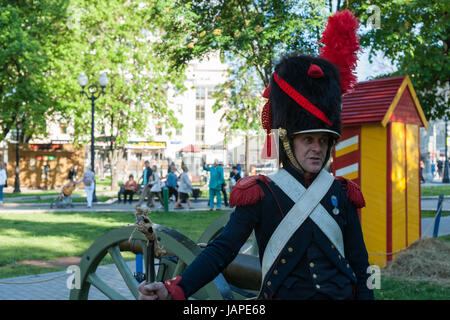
[
  {"x": 211, "y": 91},
  {"x": 178, "y": 132},
  {"x": 200, "y": 133},
  {"x": 159, "y": 130},
  {"x": 200, "y": 112},
  {"x": 200, "y": 93}
]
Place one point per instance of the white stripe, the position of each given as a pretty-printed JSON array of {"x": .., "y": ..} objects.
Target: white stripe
[
  {"x": 347, "y": 142},
  {"x": 347, "y": 170}
]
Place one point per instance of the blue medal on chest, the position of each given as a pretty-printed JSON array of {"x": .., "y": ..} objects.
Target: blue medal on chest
[{"x": 334, "y": 202}]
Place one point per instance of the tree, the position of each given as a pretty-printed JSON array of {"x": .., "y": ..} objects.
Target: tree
[
  {"x": 29, "y": 30},
  {"x": 255, "y": 31},
  {"x": 414, "y": 36},
  {"x": 240, "y": 100},
  {"x": 118, "y": 38}
]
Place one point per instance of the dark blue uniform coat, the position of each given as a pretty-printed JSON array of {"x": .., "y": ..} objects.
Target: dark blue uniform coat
[{"x": 308, "y": 264}]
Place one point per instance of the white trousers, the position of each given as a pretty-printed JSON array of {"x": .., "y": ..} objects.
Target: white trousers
[{"x": 89, "y": 194}]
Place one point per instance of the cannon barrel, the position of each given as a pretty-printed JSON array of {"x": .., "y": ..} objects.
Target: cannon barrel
[{"x": 243, "y": 272}]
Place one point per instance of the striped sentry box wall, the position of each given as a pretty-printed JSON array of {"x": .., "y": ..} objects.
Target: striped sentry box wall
[{"x": 346, "y": 156}]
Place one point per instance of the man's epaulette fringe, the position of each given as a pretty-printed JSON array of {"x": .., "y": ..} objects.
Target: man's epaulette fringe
[
  {"x": 247, "y": 191},
  {"x": 354, "y": 193}
]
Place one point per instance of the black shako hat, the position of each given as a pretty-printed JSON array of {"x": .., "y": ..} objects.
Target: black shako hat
[{"x": 305, "y": 95}]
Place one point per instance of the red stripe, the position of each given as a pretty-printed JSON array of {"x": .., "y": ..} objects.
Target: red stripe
[
  {"x": 420, "y": 188},
  {"x": 389, "y": 193},
  {"x": 406, "y": 188},
  {"x": 358, "y": 180},
  {"x": 301, "y": 100},
  {"x": 346, "y": 159}
]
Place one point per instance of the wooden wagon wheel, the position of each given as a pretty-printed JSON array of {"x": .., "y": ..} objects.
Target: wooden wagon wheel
[{"x": 181, "y": 251}]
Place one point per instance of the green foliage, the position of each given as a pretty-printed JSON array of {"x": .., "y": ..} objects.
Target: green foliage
[
  {"x": 240, "y": 100},
  {"x": 255, "y": 31},
  {"x": 30, "y": 32},
  {"x": 117, "y": 38},
  {"x": 414, "y": 35}
]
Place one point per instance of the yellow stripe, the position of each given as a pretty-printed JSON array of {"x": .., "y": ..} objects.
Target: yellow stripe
[
  {"x": 346, "y": 150},
  {"x": 398, "y": 186},
  {"x": 373, "y": 186},
  {"x": 351, "y": 176},
  {"x": 412, "y": 156}
]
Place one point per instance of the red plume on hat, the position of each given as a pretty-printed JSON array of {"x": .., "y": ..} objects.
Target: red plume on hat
[{"x": 341, "y": 46}]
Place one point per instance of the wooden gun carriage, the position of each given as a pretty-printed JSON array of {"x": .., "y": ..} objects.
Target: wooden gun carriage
[{"x": 240, "y": 280}]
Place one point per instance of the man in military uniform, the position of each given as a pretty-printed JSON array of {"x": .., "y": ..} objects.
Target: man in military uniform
[{"x": 306, "y": 223}]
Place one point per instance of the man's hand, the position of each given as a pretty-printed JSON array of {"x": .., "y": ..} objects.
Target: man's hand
[{"x": 153, "y": 291}]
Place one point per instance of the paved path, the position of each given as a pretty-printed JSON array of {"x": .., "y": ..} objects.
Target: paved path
[
  {"x": 53, "y": 286},
  {"x": 108, "y": 206}
]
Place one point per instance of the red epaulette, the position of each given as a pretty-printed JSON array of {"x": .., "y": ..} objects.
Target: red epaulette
[
  {"x": 354, "y": 193},
  {"x": 247, "y": 191}
]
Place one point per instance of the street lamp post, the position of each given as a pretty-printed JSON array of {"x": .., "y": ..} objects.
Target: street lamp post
[
  {"x": 445, "y": 178},
  {"x": 93, "y": 95}
]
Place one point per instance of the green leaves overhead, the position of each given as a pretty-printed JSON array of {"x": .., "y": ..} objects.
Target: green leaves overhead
[
  {"x": 256, "y": 31},
  {"x": 118, "y": 38},
  {"x": 28, "y": 34},
  {"x": 414, "y": 35}
]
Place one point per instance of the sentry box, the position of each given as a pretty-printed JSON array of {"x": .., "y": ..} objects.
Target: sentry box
[{"x": 380, "y": 150}]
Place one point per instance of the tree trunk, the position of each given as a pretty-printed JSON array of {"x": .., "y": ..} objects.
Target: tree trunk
[
  {"x": 247, "y": 155},
  {"x": 115, "y": 157},
  {"x": 17, "y": 171}
]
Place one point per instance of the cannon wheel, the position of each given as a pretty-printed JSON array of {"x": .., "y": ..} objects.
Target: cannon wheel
[
  {"x": 181, "y": 252},
  {"x": 214, "y": 228}
]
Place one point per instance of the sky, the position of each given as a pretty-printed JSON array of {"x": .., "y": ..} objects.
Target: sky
[{"x": 380, "y": 65}]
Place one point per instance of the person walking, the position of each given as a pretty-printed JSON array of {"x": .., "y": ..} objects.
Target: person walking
[
  {"x": 73, "y": 173},
  {"x": 3, "y": 178},
  {"x": 224, "y": 189},
  {"x": 216, "y": 180},
  {"x": 172, "y": 183},
  {"x": 88, "y": 179},
  {"x": 184, "y": 188},
  {"x": 147, "y": 173},
  {"x": 155, "y": 189},
  {"x": 146, "y": 183}
]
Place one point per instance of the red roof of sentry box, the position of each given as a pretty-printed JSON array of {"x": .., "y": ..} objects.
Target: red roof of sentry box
[
  {"x": 370, "y": 100},
  {"x": 382, "y": 101}
]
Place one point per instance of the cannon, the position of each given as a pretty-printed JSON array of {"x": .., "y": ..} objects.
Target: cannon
[{"x": 240, "y": 280}]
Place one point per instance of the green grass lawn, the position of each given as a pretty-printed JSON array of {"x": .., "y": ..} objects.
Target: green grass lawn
[
  {"x": 435, "y": 190},
  {"x": 46, "y": 236},
  {"x": 100, "y": 198},
  {"x": 405, "y": 289},
  {"x": 431, "y": 214}
]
